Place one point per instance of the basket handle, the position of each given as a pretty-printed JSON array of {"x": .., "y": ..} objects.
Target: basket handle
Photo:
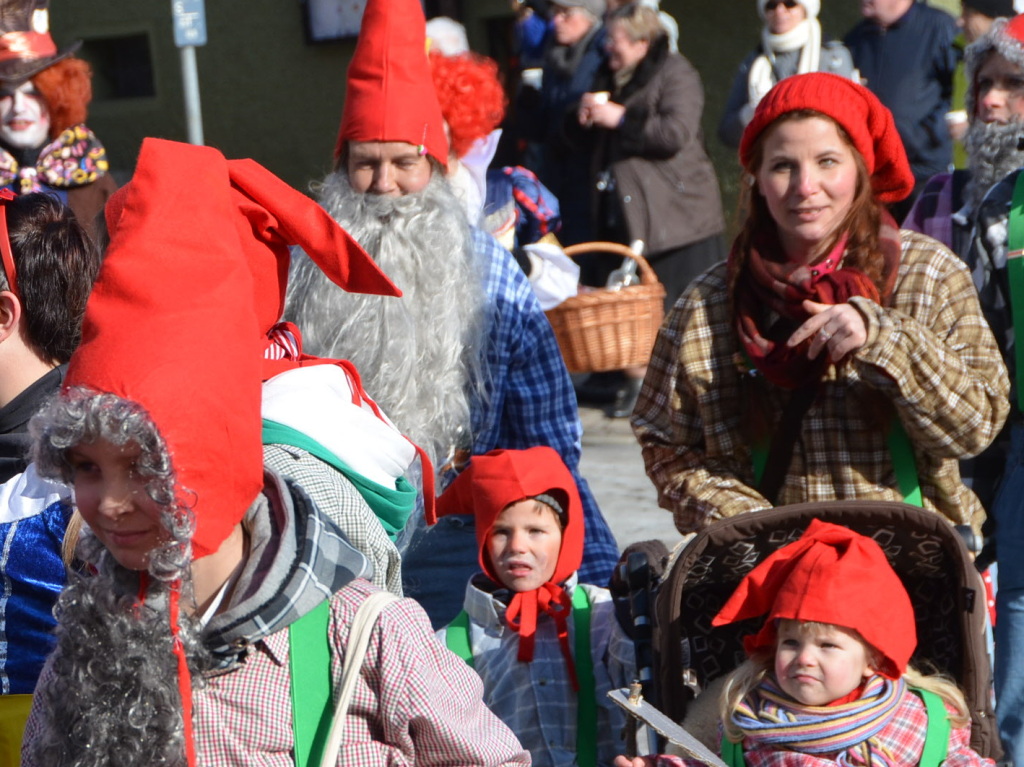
[{"x": 647, "y": 275}]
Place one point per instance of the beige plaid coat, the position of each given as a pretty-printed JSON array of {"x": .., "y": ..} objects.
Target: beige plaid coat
[{"x": 930, "y": 360}]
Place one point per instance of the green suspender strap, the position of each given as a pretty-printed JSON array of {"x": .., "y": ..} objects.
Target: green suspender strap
[
  {"x": 309, "y": 656},
  {"x": 902, "y": 461},
  {"x": 586, "y": 706},
  {"x": 457, "y": 639},
  {"x": 1015, "y": 275},
  {"x": 456, "y": 636},
  {"x": 936, "y": 737}
]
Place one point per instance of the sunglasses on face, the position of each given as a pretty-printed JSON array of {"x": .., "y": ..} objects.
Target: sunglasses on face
[{"x": 771, "y": 5}]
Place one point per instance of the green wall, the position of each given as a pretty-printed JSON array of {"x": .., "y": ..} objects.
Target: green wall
[{"x": 267, "y": 94}]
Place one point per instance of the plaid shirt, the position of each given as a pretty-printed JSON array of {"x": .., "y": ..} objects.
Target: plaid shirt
[
  {"x": 930, "y": 357},
  {"x": 903, "y": 737},
  {"x": 530, "y": 396},
  {"x": 536, "y": 699},
  {"x": 414, "y": 702},
  {"x": 339, "y": 499}
]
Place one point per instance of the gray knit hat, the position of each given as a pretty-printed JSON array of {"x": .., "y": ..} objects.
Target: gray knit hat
[
  {"x": 596, "y": 7},
  {"x": 1006, "y": 37}
]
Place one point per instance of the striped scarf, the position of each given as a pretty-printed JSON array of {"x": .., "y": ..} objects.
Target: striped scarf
[{"x": 769, "y": 717}]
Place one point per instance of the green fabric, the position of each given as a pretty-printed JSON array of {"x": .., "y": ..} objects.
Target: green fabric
[
  {"x": 456, "y": 636},
  {"x": 1015, "y": 274},
  {"x": 936, "y": 738},
  {"x": 392, "y": 505},
  {"x": 586, "y": 707},
  {"x": 309, "y": 657},
  {"x": 959, "y": 101},
  {"x": 732, "y": 753},
  {"x": 902, "y": 461},
  {"x": 457, "y": 639}
]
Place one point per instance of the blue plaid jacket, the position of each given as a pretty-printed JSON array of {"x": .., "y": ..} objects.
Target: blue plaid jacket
[{"x": 531, "y": 400}]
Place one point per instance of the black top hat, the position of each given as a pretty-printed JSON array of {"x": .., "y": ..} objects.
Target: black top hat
[{"x": 26, "y": 47}]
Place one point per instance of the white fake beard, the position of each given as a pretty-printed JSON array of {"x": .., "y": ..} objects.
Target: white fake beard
[
  {"x": 992, "y": 153},
  {"x": 420, "y": 356}
]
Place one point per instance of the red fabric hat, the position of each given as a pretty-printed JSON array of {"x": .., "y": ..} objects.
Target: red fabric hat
[
  {"x": 274, "y": 216},
  {"x": 390, "y": 95},
  {"x": 830, "y": 575},
  {"x": 170, "y": 325},
  {"x": 868, "y": 123},
  {"x": 502, "y": 477}
]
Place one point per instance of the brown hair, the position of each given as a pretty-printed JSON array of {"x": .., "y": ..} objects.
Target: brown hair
[
  {"x": 861, "y": 222},
  {"x": 67, "y": 88}
]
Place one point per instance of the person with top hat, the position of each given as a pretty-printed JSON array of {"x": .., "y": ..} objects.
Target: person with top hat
[
  {"x": 45, "y": 145},
  {"x": 828, "y": 678},
  {"x": 466, "y": 362},
  {"x": 514, "y": 630},
  {"x": 213, "y": 589},
  {"x": 833, "y": 356},
  {"x": 995, "y": 243}
]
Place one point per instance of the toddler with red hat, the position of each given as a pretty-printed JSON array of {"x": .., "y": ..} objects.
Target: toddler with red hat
[
  {"x": 547, "y": 647},
  {"x": 827, "y": 679}
]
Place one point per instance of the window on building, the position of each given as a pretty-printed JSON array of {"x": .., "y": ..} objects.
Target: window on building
[{"x": 122, "y": 67}]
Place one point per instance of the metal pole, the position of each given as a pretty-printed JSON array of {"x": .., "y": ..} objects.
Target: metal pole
[{"x": 190, "y": 81}]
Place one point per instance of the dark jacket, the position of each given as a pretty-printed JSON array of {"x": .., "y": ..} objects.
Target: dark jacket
[
  {"x": 910, "y": 66},
  {"x": 14, "y": 438},
  {"x": 664, "y": 182}
]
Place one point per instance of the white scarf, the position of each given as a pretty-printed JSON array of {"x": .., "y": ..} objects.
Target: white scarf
[{"x": 805, "y": 37}]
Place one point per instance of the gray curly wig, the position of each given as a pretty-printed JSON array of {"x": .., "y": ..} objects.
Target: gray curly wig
[{"x": 109, "y": 693}]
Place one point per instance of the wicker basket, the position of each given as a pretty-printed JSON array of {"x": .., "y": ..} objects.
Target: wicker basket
[{"x": 609, "y": 329}]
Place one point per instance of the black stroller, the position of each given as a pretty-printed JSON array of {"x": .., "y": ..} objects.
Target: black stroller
[{"x": 925, "y": 551}]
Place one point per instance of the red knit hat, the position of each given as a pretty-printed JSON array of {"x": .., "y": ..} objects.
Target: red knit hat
[
  {"x": 830, "y": 575},
  {"x": 170, "y": 325},
  {"x": 390, "y": 95},
  {"x": 499, "y": 478},
  {"x": 865, "y": 119}
]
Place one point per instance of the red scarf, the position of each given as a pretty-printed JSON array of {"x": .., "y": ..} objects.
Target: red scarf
[{"x": 771, "y": 284}]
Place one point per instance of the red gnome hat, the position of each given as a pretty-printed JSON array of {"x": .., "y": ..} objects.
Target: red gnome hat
[
  {"x": 501, "y": 477},
  {"x": 390, "y": 95},
  {"x": 170, "y": 325},
  {"x": 830, "y": 575}
]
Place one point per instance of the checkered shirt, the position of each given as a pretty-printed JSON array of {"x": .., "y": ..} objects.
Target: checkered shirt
[
  {"x": 903, "y": 737},
  {"x": 930, "y": 358},
  {"x": 414, "y": 702},
  {"x": 339, "y": 499},
  {"x": 536, "y": 699},
  {"x": 531, "y": 400}
]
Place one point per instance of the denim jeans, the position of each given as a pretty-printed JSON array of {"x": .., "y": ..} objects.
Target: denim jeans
[
  {"x": 1009, "y": 632},
  {"x": 437, "y": 563}
]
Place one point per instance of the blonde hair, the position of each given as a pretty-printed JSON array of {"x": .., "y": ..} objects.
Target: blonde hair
[
  {"x": 749, "y": 674},
  {"x": 641, "y": 24}
]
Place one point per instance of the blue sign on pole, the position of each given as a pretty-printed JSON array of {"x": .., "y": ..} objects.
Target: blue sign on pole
[{"x": 189, "y": 22}]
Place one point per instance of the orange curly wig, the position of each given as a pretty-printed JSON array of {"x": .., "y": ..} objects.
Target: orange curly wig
[
  {"x": 472, "y": 99},
  {"x": 67, "y": 88}
]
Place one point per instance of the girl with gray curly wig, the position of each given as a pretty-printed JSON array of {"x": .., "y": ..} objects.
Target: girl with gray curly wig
[{"x": 78, "y": 437}]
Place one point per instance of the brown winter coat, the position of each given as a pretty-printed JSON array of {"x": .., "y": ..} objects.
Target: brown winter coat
[{"x": 664, "y": 181}]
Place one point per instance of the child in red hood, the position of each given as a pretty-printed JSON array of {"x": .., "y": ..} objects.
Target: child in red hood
[
  {"x": 527, "y": 621},
  {"x": 827, "y": 679}
]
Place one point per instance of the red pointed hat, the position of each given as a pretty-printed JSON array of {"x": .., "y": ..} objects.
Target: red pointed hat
[
  {"x": 271, "y": 217},
  {"x": 867, "y": 122},
  {"x": 170, "y": 325},
  {"x": 501, "y": 477},
  {"x": 390, "y": 95},
  {"x": 830, "y": 575}
]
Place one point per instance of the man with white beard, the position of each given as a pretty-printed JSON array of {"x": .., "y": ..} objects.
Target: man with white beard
[
  {"x": 998, "y": 60},
  {"x": 945, "y": 210},
  {"x": 466, "y": 361}
]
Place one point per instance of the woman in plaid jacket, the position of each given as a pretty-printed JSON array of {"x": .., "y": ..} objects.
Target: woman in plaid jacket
[{"x": 800, "y": 369}]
